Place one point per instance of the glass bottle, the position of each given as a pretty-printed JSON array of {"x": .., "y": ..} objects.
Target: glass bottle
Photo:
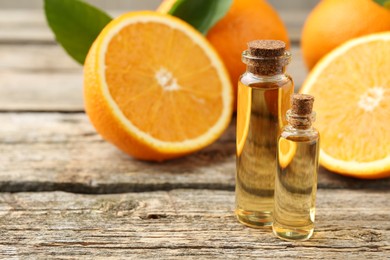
[
  {"x": 296, "y": 180},
  {"x": 263, "y": 98}
]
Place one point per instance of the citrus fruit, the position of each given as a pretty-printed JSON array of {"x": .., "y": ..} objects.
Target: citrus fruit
[
  {"x": 245, "y": 21},
  {"x": 155, "y": 87},
  {"x": 333, "y": 22},
  {"x": 352, "y": 89}
]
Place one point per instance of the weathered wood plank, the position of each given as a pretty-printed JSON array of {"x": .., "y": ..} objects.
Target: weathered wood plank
[
  {"x": 184, "y": 224},
  {"x": 18, "y": 25},
  {"x": 23, "y": 25},
  {"x": 29, "y": 91},
  {"x": 39, "y": 78},
  {"x": 36, "y": 58},
  {"x": 50, "y": 151},
  {"x": 44, "y": 78}
]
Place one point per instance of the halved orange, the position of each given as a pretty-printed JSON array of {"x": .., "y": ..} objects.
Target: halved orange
[
  {"x": 155, "y": 87},
  {"x": 352, "y": 89}
]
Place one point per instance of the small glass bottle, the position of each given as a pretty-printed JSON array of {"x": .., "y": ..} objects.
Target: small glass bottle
[
  {"x": 263, "y": 98},
  {"x": 296, "y": 180}
]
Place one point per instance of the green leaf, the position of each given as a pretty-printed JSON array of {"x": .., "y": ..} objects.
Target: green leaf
[
  {"x": 202, "y": 14},
  {"x": 75, "y": 24},
  {"x": 385, "y": 3}
]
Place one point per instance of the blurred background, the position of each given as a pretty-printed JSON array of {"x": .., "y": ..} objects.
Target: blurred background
[
  {"x": 44, "y": 72},
  {"x": 149, "y": 4},
  {"x": 293, "y": 13}
]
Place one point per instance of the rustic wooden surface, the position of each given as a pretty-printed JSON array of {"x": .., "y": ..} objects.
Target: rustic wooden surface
[
  {"x": 83, "y": 162},
  {"x": 66, "y": 193},
  {"x": 183, "y": 224}
]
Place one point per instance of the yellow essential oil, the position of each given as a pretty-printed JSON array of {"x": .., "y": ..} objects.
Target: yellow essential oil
[
  {"x": 263, "y": 98},
  {"x": 296, "y": 179}
]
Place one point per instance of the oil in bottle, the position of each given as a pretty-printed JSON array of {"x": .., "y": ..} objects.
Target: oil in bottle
[
  {"x": 263, "y": 98},
  {"x": 296, "y": 180}
]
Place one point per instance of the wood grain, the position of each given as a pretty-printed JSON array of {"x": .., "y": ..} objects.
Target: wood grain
[
  {"x": 54, "y": 151},
  {"x": 183, "y": 224}
]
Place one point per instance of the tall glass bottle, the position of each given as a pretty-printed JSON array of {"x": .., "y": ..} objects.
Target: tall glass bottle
[
  {"x": 263, "y": 99},
  {"x": 296, "y": 180}
]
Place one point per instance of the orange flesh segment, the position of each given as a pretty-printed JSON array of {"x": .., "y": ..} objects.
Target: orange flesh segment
[
  {"x": 357, "y": 120},
  {"x": 134, "y": 85}
]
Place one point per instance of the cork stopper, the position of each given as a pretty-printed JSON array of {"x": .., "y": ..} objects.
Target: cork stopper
[
  {"x": 266, "y": 57},
  {"x": 302, "y": 104},
  {"x": 266, "y": 48},
  {"x": 301, "y": 114}
]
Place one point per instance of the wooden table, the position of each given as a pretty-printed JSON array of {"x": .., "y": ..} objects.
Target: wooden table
[{"x": 66, "y": 193}]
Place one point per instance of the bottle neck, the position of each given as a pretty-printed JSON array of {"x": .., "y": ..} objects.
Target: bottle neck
[{"x": 301, "y": 122}]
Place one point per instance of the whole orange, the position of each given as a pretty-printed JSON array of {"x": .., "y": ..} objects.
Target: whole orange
[
  {"x": 245, "y": 21},
  {"x": 333, "y": 22}
]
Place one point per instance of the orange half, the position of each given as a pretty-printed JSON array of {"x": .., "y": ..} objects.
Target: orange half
[
  {"x": 352, "y": 90},
  {"x": 155, "y": 87}
]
